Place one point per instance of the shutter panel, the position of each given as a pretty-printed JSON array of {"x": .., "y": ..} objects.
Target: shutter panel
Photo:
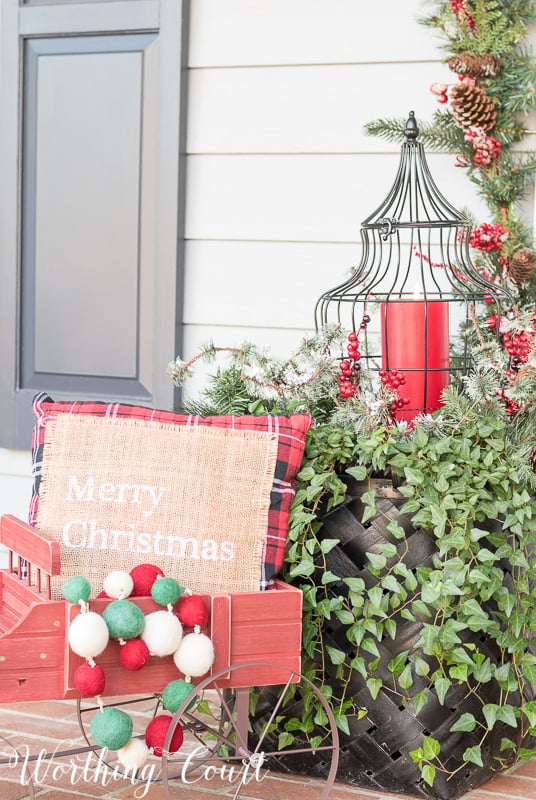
[{"x": 91, "y": 213}]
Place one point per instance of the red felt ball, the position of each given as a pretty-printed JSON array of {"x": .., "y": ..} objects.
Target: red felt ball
[
  {"x": 102, "y": 595},
  {"x": 134, "y": 654},
  {"x": 144, "y": 575},
  {"x": 192, "y": 610},
  {"x": 90, "y": 681},
  {"x": 156, "y": 731}
]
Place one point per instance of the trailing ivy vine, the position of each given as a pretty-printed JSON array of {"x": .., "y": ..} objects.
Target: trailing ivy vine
[{"x": 467, "y": 476}]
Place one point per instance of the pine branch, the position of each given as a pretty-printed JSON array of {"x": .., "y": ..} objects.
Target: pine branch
[
  {"x": 440, "y": 135},
  {"x": 514, "y": 87}
]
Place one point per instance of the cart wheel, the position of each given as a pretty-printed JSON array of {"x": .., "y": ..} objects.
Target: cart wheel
[{"x": 221, "y": 750}]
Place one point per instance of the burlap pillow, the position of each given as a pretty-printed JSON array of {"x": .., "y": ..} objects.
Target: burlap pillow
[{"x": 205, "y": 498}]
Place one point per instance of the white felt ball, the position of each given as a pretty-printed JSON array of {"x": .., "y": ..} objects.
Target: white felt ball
[
  {"x": 88, "y": 634},
  {"x": 118, "y": 584},
  {"x": 134, "y": 754},
  {"x": 162, "y": 633},
  {"x": 195, "y": 655}
]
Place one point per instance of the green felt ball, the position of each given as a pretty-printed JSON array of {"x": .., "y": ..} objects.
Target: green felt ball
[
  {"x": 111, "y": 728},
  {"x": 124, "y": 619},
  {"x": 166, "y": 591},
  {"x": 175, "y": 693},
  {"x": 76, "y": 589}
]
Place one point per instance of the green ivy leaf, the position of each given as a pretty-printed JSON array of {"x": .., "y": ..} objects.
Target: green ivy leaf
[
  {"x": 406, "y": 678},
  {"x": 370, "y": 646},
  {"x": 376, "y": 561},
  {"x": 336, "y": 656},
  {"x": 442, "y": 685},
  {"x": 431, "y": 747},
  {"x": 507, "y": 714},
  {"x": 474, "y": 755},
  {"x": 358, "y": 472},
  {"x": 428, "y": 773},
  {"x": 414, "y": 476},
  {"x": 304, "y": 568},
  {"x": 341, "y": 720},
  {"x": 329, "y": 577},
  {"x": 327, "y": 545},
  {"x": 285, "y": 739},
  {"x": 419, "y": 700},
  {"x": 374, "y": 685},
  {"x": 422, "y": 667},
  {"x": 397, "y": 664},
  {"x": 466, "y": 722}
]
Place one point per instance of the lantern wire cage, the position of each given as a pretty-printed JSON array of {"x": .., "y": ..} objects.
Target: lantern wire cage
[{"x": 415, "y": 279}]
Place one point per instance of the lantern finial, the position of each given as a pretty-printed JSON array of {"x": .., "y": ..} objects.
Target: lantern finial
[{"x": 412, "y": 129}]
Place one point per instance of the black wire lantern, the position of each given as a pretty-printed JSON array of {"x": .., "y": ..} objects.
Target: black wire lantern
[{"x": 414, "y": 285}]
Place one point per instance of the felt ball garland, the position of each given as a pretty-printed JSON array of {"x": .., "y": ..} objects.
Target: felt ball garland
[
  {"x": 176, "y": 693},
  {"x": 88, "y": 635},
  {"x": 77, "y": 590},
  {"x": 111, "y": 728},
  {"x": 89, "y": 680},
  {"x": 162, "y": 633},
  {"x": 134, "y": 754},
  {"x": 156, "y": 731},
  {"x": 158, "y": 633},
  {"x": 118, "y": 584},
  {"x": 143, "y": 576},
  {"x": 192, "y": 611},
  {"x": 134, "y": 654},
  {"x": 166, "y": 591},
  {"x": 195, "y": 655},
  {"x": 125, "y": 620}
]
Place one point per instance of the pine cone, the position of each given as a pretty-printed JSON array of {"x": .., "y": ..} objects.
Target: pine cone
[
  {"x": 522, "y": 266},
  {"x": 532, "y": 458},
  {"x": 486, "y": 65},
  {"x": 472, "y": 107}
]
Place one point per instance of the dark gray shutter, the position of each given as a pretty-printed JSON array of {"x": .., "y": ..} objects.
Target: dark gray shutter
[{"x": 91, "y": 214}]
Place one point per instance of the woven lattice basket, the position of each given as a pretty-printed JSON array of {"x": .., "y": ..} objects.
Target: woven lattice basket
[{"x": 376, "y": 753}]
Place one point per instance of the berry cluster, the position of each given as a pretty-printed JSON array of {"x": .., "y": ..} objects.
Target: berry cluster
[
  {"x": 493, "y": 320},
  {"x": 510, "y": 405},
  {"x": 488, "y": 237},
  {"x": 440, "y": 91},
  {"x": 486, "y": 147},
  {"x": 462, "y": 14},
  {"x": 518, "y": 345},
  {"x": 394, "y": 379},
  {"x": 350, "y": 367}
]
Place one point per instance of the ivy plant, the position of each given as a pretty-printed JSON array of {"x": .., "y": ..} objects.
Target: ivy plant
[{"x": 466, "y": 479}]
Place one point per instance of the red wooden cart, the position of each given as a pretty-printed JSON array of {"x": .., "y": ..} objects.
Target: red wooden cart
[{"x": 257, "y": 642}]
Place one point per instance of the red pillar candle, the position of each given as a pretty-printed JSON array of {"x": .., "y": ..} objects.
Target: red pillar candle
[{"x": 415, "y": 340}]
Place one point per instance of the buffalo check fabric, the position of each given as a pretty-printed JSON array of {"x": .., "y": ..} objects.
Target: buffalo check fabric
[{"x": 288, "y": 432}]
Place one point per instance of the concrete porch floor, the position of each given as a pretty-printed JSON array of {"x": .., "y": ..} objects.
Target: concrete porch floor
[{"x": 53, "y": 726}]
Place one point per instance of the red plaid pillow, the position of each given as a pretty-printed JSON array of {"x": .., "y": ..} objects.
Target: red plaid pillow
[{"x": 290, "y": 433}]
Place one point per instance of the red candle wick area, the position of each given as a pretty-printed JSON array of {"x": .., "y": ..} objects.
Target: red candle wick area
[{"x": 415, "y": 340}]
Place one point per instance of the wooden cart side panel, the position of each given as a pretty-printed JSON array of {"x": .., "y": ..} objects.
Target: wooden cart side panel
[
  {"x": 31, "y": 644},
  {"x": 36, "y": 662},
  {"x": 243, "y": 627},
  {"x": 37, "y": 547}
]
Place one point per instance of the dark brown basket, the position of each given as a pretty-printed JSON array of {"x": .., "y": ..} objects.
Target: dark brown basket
[{"x": 376, "y": 753}]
